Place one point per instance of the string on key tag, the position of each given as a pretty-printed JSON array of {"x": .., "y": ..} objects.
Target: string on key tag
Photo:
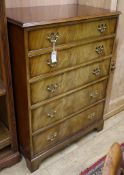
[{"x": 54, "y": 54}]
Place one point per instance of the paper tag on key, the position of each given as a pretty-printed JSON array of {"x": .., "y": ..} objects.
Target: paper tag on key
[{"x": 54, "y": 57}]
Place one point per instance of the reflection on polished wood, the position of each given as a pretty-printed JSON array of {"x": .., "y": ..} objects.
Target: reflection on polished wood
[
  {"x": 2, "y": 89},
  {"x": 32, "y": 16},
  {"x": 4, "y": 136}
]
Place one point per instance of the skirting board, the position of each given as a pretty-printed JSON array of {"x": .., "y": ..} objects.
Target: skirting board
[
  {"x": 114, "y": 112},
  {"x": 116, "y": 106}
]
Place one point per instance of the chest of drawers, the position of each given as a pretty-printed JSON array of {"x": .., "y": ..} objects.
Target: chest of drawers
[{"x": 58, "y": 100}]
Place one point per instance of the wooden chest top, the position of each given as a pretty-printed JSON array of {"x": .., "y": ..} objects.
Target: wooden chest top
[{"x": 43, "y": 15}]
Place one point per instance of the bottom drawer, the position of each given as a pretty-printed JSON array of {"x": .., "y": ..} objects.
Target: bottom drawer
[{"x": 49, "y": 138}]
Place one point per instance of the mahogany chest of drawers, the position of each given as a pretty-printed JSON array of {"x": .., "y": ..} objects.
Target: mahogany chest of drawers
[{"x": 59, "y": 98}]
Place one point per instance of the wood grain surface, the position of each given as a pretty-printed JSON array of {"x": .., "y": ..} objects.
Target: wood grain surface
[{"x": 32, "y": 16}]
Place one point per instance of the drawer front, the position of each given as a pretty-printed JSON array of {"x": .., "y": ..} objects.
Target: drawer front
[
  {"x": 68, "y": 105},
  {"x": 50, "y": 87},
  {"x": 69, "y": 57},
  {"x": 47, "y": 114},
  {"x": 51, "y": 137},
  {"x": 82, "y": 120},
  {"x": 39, "y": 38},
  {"x": 46, "y": 140}
]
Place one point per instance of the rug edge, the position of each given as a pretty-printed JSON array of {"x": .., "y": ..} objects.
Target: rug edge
[{"x": 95, "y": 164}]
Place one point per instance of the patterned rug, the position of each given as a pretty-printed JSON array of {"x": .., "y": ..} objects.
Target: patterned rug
[{"x": 96, "y": 168}]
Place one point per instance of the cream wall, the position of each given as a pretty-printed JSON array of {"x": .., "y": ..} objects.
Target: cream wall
[
  {"x": 25, "y": 3},
  {"x": 96, "y": 3},
  {"x": 117, "y": 93},
  {"x": 100, "y": 3}
]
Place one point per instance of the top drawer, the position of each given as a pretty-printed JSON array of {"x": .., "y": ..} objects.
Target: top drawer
[{"x": 38, "y": 38}]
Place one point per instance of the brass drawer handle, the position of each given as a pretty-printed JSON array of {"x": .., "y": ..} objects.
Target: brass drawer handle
[
  {"x": 91, "y": 116},
  {"x": 53, "y": 37},
  {"x": 51, "y": 138},
  {"x": 52, "y": 88},
  {"x": 50, "y": 64},
  {"x": 100, "y": 50},
  {"x": 96, "y": 71},
  {"x": 94, "y": 94},
  {"x": 52, "y": 114},
  {"x": 102, "y": 28}
]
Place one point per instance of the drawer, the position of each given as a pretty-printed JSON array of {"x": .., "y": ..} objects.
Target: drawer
[
  {"x": 63, "y": 107},
  {"x": 38, "y": 38},
  {"x": 82, "y": 120},
  {"x": 47, "y": 114},
  {"x": 46, "y": 140},
  {"x": 50, "y": 87},
  {"x": 69, "y": 57}
]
